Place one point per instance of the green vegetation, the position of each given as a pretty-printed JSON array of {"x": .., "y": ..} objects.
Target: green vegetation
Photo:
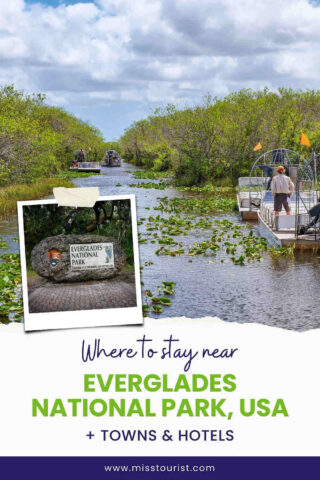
[
  {"x": 37, "y": 140},
  {"x": 198, "y": 205},
  {"x": 209, "y": 189},
  {"x": 282, "y": 251},
  {"x": 237, "y": 242},
  {"x": 9, "y": 196},
  {"x": 214, "y": 142},
  {"x": 11, "y": 307},
  {"x": 157, "y": 303},
  {"x": 157, "y": 186},
  {"x": 70, "y": 174},
  {"x": 150, "y": 175}
]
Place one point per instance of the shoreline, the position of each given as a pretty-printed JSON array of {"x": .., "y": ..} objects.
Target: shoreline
[{"x": 10, "y": 195}]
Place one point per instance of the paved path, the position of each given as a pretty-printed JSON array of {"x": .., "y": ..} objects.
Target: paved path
[{"x": 58, "y": 297}]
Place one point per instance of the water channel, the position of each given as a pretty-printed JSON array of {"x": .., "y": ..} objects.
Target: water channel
[{"x": 280, "y": 291}]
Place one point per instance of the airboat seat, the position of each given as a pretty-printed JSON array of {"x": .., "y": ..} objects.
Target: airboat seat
[
  {"x": 245, "y": 202},
  {"x": 267, "y": 197},
  {"x": 285, "y": 222}
]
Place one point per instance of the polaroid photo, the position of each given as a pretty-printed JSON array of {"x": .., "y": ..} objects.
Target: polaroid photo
[{"x": 80, "y": 266}]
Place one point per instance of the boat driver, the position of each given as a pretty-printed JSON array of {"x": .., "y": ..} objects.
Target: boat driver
[
  {"x": 81, "y": 156},
  {"x": 282, "y": 188}
]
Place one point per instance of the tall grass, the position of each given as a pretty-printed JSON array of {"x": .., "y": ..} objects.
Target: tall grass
[{"x": 9, "y": 196}]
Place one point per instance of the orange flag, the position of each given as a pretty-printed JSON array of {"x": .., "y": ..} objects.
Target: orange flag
[
  {"x": 304, "y": 140},
  {"x": 257, "y": 147}
]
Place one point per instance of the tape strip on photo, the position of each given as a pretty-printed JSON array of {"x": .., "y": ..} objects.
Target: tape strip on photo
[{"x": 76, "y": 197}]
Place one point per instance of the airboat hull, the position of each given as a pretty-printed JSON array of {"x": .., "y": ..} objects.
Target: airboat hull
[
  {"x": 86, "y": 167},
  {"x": 107, "y": 165},
  {"x": 267, "y": 232},
  {"x": 245, "y": 212},
  {"x": 287, "y": 238}
]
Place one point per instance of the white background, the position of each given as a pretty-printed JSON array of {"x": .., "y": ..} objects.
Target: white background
[{"x": 271, "y": 363}]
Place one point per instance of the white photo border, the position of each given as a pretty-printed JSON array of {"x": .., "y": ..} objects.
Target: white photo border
[{"x": 81, "y": 318}]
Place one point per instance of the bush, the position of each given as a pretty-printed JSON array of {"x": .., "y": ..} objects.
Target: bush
[
  {"x": 214, "y": 141},
  {"x": 37, "y": 140}
]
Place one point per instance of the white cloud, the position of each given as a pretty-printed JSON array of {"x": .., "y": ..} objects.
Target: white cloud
[{"x": 153, "y": 52}]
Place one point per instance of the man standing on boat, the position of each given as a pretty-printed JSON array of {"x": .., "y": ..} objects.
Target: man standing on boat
[
  {"x": 282, "y": 188},
  {"x": 81, "y": 155}
]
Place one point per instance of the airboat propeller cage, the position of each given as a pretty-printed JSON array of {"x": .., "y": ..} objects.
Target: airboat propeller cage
[
  {"x": 291, "y": 160},
  {"x": 265, "y": 167}
]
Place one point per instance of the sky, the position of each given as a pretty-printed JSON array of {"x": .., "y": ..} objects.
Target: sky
[{"x": 112, "y": 62}]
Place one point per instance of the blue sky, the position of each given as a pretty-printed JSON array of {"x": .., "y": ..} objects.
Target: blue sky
[
  {"x": 56, "y": 3},
  {"x": 112, "y": 62}
]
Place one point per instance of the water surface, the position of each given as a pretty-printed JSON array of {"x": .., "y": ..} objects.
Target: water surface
[{"x": 282, "y": 292}]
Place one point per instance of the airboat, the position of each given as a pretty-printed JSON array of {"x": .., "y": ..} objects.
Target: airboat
[
  {"x": 86, "y": 167},
  {"x": 81, "y": 163},
  {"x": 112, "y": 159},
  {"x": 301, "y": 227}
]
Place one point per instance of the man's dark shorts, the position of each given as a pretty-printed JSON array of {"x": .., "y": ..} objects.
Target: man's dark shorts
[{"x": 279, "y": 200}]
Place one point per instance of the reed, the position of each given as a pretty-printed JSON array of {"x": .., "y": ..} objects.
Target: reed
[{"x": 9, "y": 196}]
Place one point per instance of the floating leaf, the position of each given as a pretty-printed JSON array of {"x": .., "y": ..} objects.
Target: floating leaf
[
  {"x": 157, "y": 309},
  {"x": 165, "y": 301},
  {"x": 155, "y": 300},
  {"x": 168, "y": 284}
]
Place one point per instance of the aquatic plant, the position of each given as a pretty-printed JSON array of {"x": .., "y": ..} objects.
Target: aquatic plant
[
  {"x": 71, "y": 174},
  {"x": 157, "y": 302},
  {"x": 167, "y": 251},
  {"x": 282, "y": 251},
  {"x": 208, "y": 189},
  {"x": 165, "y": 301},
  {"x": 202, "y": 247},
  {"x": 158, "y": 186},
  {"x": 3, "y": 244},
  {"x": 167, "y": 287},
  {"x": 167, "y": 241},
  {"x": 157, "y": 309},
  {"x": 149, "y": 175},
  {"x": 197, "y": 205},
  {"x": 10, "y": 288}
]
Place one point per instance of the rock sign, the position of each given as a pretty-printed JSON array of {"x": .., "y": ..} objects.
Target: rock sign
[{"x": 72, "y": 258}]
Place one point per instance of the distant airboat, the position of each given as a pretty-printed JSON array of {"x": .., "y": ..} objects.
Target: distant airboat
[{"x": 112, "y": 159}]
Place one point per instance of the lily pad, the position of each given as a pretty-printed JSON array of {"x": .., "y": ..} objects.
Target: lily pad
[
  {"x": 165, "y": 301},
  {"x": 157, "y": 309},
  {"x": 156, "y": 300}
]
